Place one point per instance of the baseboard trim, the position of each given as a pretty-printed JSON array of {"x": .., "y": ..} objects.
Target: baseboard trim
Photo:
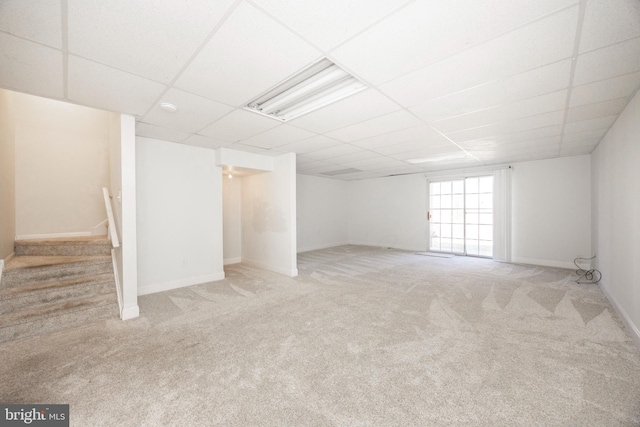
[
  {"x": 318, "y": 247},
  {"x": 181, "y": 283},
  {"x": 542, "y": 262},
  {"x": 55, "y": 235},
  {"x": 228, "y": 261},
  {"x": 631, "y": 327},
  {"x": 264, "y": 266},
  {"x": 130, "y": 312}
]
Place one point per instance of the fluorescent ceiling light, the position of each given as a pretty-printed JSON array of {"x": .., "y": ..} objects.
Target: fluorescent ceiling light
[{"x": 314, "y": 87}]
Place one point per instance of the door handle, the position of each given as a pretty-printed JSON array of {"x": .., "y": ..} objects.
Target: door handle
[{"x": 428, "y": 215}]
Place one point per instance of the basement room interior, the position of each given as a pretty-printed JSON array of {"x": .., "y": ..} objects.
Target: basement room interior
[{"x": 303, "y": 213}]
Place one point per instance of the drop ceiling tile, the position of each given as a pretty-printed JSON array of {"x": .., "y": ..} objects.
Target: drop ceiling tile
[
  {"x": 238, "y": 125},
  {"x": 156, "y": 132},
  {"x": 575, "y": 152},
  {"x": 194, "y": 112},
  {"x": 34, "y": 20},
  {"x": 538, "y": 44},
  {"x": 398, "y": 137},
  {"x": 30, "y": 67},
  {"x": 142, "y": 37},
  {"x": 205, "y": 142},
  {"x": 252, "y": 51},
  {"x": 357, "y": 156},
  {"x": 588, "y": 144},
  {"x": 276, "y": 137},
  {"x": 616, "y": 60},
  {"x": 439, "y": 153},
  {"x": 607, "y": 22},
  {"x": 515, "y": 137},
  {"x": 528, "y": 107},
  {"x": 384, "y": 124},
  {"x": 99, "y": 86},
  {"x": 529, "y": 84},
  {"x": 333, "y": 152},
  {"x": 249, "y": 149},
  {"x": 599, "y": 109},
  {"x": 492, "y": 146},
  {"x": 362, "y": 106},
  {"x": 413, "y": 145},
  {"x": 617, "y": 87},
  {"x": 375, "y": 163},
  {"x": 587, "y": 125},
  {"x": 518, "y": 125},
  {"x": 309, "y": 145},
  {"x": 425, "y": 32},
  {"x": 329, "y": 22},
  {"x": 323, "y": 166}
]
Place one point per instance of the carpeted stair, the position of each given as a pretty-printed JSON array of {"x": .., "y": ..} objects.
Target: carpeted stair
[{"x": 54, "y": 284}]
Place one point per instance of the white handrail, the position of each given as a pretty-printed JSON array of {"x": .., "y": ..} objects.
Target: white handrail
[{"x": 111, "y": 223}]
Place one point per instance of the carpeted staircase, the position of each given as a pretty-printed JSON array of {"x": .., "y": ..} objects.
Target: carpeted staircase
[{"x": 54, "y": 284}]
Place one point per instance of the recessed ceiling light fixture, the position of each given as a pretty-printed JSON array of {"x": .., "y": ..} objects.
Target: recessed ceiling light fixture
[
  {"x": 168, "y": 107},
  {"x": 314, "y": 87}
]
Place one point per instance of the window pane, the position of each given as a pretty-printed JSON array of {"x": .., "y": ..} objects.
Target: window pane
[
  {"x": 458, "y": 187},
  {"x": 457, "y": 216},
  {"x": 435, "y": 244},
  {"x": 457, "y": 245},
  {"x": 445, "y": 230},
  {"x": 486, "y": 201},
  {"x": 435, "y": 215},
  {"x": 434, "y": 203},
  {"x": 472, "y": 232},
  {"x": 472, "y": 201},
  {"x": 472, "y": 218},
  {"x": 458, "y": 201},
  {"x": 445, "y": 245},
  {"x": 486, "y": 184},
  {"x": 472, "y": 247},
  {"x": 472, "y": 185},
  {"x": 445, "y": 216},
  {"x": 458, "y": 231},
  {"x": 485, "y": 249},
  {"x": 434, "y": 188},
  {"x": 445, "y": 202},
  {"x": 435, "y": 230},
  {"x": 445, "y": 187},
  {"x": 486, "y": 218},
  {"x": 486, "y": 232}
]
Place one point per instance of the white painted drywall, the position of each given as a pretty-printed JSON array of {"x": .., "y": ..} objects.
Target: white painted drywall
[
  {"x": 7, "y": 176},
  {"x": 179, "y": 212},
  {"x": 269, "y": 218},
  {"x": 61, "y": 165},
  {"x": 231, "y": 219},
  {"x": 551, "y": 211},
  {"x": 389, "y": 212},
  {"x": 616, "y": 213},
  {"x": 322, "y": 212}
]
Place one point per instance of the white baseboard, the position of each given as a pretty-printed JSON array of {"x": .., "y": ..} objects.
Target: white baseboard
[
  {"x": 130, "y": 312},
  {"x": 543, "y": 262},
  {"x": 631, "y": 327},
  {"x": 228, "y": 261},
  {"x": 276, "y": 269},
  {"x": 55, "y": 235},
  {"x": 181, "y": 283},
  {"x": 322, "y": 246}
]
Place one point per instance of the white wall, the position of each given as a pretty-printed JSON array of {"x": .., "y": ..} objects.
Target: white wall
[
  {"x": 62, "y": 163},
  {"x": 616, "y": 213},
  {"x": 389, "y": 212},
  {"x": 179, "y": 211},
  {"x": 232, "y": 219},
  {"x": 322, "y": 212},
  {"x": 7, "y": 176},
  {"x": 269, "y": 217},
  {"x": 551, "y": 211}
]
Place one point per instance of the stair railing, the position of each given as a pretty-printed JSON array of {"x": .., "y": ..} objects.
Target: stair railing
[{"x": 111, "y": 223}]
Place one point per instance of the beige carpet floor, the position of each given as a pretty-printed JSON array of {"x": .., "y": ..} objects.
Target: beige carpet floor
[{"x": 363, "y": 337}]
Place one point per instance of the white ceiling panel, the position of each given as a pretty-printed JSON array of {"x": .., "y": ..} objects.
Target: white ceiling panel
[
  {"x": 529, "y": 107},
  {"x": 309, "y": 145},
  {"x": 518, "y": 125},
  {"x": 425, "y": 32},
  {"x": 380, "y": 125},
  {"x": 357, "y": 156},
  {"x": 100, "y": 86},
  {"x": 362, "y": 106},
  {"x": 589, "y": 144},
  {"x": 238, "y": 125},
  {"x": 538, "y": 44},
  {"x": 539, "y": 81},
  {"x": 194, "y": 112},
  {"x": 375, "y": 163},
  {"x": 517, "y": 137},
  {"x": 484, "y": 145},
  {"x": 587, "y": 125},
  {"x": 30, "y": 67},
  {"x": 616, "y": 60},
  {"x": 36, "y": 20},
  {"x": 584, "y": 136},
  {"x": 203, "y": 141},
  {"x": 281, "y": 135},
  {"x": 156, "y": 132},
  {"x": 596, "y": 110},
  {"x": 397, "y": 137},
  {"x": 329, "y": 22},
  {"x": 609, "y": 21},
  {"x": 617, "y": 87},
  {"x": 335, "y": 151},
  {"x": 251, "y": 50},
  {"x": 250, "y": 149},
  {"x": 450, "y": 152},
  {"x": 139, "y": 37},
  {"x": 413, "y": 146}
]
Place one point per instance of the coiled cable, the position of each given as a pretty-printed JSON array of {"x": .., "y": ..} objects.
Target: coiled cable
[{"x": 587, "y": 276}]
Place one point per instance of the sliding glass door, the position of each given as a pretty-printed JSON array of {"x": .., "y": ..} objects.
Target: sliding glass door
[{"x": 461, "y": 216}]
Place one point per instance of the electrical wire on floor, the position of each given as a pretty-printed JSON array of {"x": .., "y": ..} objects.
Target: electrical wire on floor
[{"x": 587, "y": 276}]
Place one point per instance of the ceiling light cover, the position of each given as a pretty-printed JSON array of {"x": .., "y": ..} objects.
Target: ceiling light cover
[
  {"x": 168, "y": 107},
  {"x": 314, "y": 87}
]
